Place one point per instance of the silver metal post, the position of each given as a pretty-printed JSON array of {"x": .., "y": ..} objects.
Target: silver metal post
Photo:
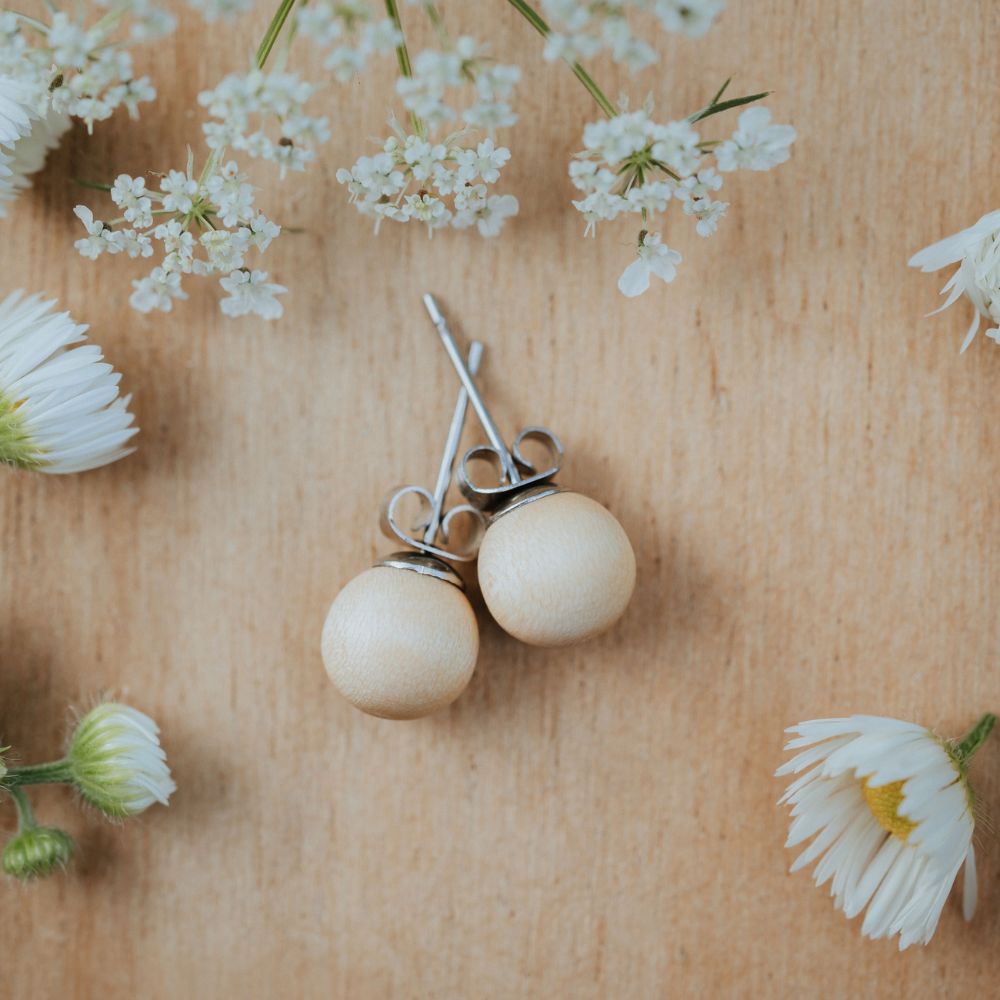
[
  {"x": 468, "y": 382},
  {"x": 451, "y": 447}
]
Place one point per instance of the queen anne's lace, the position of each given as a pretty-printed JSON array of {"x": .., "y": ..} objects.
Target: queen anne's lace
[
  {"x": 632, "y": 165},
  {"x": 205, "y": 225}
]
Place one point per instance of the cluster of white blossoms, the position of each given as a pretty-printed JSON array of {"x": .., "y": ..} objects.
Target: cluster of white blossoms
[
  {"x": 352, "y": 32},
  {"x": 437, "y": 184},
  {"x": 891, "y": 814},
  {"x": 584, "y": 28},
  {"x": 634, "y": 166},
  {"x": 205, "y": 225},
  {"x": 246, "y": 104},
  {"x": 78, "y": 66},
  {"x": 60, "y": 410},
  {"x": 976, "y": 250},
  {"x": 439, "y": 80}
]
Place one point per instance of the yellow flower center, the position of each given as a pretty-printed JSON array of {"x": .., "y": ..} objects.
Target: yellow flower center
[{"x": 884, "y": 802}]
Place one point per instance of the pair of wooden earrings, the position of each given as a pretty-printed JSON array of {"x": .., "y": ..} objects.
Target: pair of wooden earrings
[{"x": 555, "y": 568}]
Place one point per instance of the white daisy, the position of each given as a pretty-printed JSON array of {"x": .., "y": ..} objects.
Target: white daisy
[
  {"x": 116, "y": 761},
  {"x": 891, "y": 810},
  {"x": 60, "y": 410},
  {"x": 977, "y": 252},
  {"x": 15, "y": 115},
  {"x": 26, "y": 155}
]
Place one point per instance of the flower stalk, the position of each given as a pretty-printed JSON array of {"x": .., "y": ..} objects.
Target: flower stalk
[
  {"x": 54, "y": 772},
  {"x": 403, "y": 57},
  {"x": 966, "y": 748},
  {"x": 273, "y": 31},
  {"x": 590, "y": 84}
]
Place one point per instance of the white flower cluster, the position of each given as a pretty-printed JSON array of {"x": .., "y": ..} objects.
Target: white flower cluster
[
  {"x": 263, "y": 98},
  {"x": 352, "y": 32},
  {"x": 633, "y": 165},
  {"x": 584, "y": 28},
  {"x": 437, "y": 73},
  {"x": 205, "y": 225},
  {"x": 451, "y": 181},
  {"x": 74, "y": 67}
]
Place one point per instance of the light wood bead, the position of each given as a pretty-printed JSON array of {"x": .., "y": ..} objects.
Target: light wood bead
[
  {"x": 557, "y": 570},
  {"x": 399, "y": 644}
]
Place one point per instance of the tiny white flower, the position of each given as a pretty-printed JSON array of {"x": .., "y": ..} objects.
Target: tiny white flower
[
  {"x": 129, "y": 194},
  {"x": 699, "y": 185},
  {"x": 692, "y": 17},
  {"x": 117, "y": 762},
  {"x": 650, "y": 197},
  {"x": 231, "y": 194},
  {"x": 156, "y": 291},
  {"x": 756, "y": 144},
  {"x": 655, "y": 258},
  {"x": 706, "y": 212},
  {"x": 251, "y": 292},
  {"x": 891, "y": 810},
  {"x": 133, "y": 243},
  {"x": 485, "y": 161},
  {"x": 98, "y": 239},
  {"x": 179, "y": 191},
  {"x": 976, "y": 250},
  {"x": 676, "y": 145},
  {"x": 259, "y": 234},
  {"x": 600, "y": 206},
  {"x": 421, "y": 156},
  {"x": 60, "y": 410},
  {"x": 427, "y": 209}
]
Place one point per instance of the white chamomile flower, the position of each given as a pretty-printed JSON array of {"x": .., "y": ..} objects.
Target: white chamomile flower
[
  {"x": 892, "y": 813},
  {"x": 654, "y": 258},
  {"x": 60, "y": 410},
  {"x": 26, "y": 154},
  {"x": 251, "y": 292},
  {"x": 756, "y": 144},
  {"x": 976, "y": 250},
  {"x": 116, "y": 761},
  {"x": 15, "y": 113}
]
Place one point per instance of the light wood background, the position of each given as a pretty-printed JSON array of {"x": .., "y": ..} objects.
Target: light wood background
[{"x": 807, "y": 468}]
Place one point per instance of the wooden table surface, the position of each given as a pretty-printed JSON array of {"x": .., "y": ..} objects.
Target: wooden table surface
[{"x": 806, "y": 466}]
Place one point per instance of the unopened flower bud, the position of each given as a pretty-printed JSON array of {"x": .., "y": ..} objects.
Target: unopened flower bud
[{"x": 37, "y": 851}]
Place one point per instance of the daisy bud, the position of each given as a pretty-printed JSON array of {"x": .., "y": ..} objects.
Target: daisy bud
[
  {"x": 891, "y": 811},
  {"x": 59, "y": 409},
  {"x": 116, "y": 761},
  {"x": 37, "y": 851}
]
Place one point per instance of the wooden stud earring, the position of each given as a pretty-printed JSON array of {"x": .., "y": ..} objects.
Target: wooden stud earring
[
  {"x": 400, "y": 640},
  {"x": 555, "y": 567}
]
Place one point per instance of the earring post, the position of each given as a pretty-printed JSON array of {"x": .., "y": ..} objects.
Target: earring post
[
  {"x": 451, "y": 446},
  {"x": 469, "y": 384}
]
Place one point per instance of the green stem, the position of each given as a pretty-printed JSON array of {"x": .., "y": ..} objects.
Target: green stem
[
  {"x": 538, "y": 23},
  {"x": 32, "y": 22},
  {"x": 273, "y": 30},
  {"x": 434, "y": 16},
  {"x": 56, "y": 771},
  {"x": 403, "y": 57},
  {"x": 967, "y": 746},
  {"x": 25, "y": 817}
]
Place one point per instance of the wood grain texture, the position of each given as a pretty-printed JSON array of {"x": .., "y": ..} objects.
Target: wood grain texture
[{"x": 807, "y": 469}]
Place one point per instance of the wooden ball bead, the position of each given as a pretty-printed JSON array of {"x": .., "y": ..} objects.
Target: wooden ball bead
[
  {"x": 557, "y": 570},
  {"x": 400, "y": 644}
]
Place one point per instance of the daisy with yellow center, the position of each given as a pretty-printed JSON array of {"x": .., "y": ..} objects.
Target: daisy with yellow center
[{"x": 891, "y": 811}]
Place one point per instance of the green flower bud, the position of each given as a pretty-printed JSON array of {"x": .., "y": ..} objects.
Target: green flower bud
[
  {"x": 116, "y": 761},
  {"x": 37, "y": 851}
]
